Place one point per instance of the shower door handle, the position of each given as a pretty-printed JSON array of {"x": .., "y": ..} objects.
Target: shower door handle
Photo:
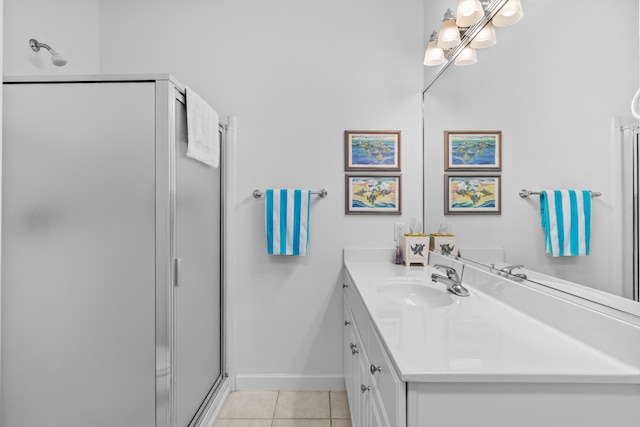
[
  {"x": 177, "y": 272},
  {"x": 634, "y": 105}
]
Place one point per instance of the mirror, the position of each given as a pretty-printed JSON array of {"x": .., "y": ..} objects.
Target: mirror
[{"x": 558, "y": 85}]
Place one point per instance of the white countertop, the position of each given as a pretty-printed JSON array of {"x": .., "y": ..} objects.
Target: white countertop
[{"x": 473, "y": 339}]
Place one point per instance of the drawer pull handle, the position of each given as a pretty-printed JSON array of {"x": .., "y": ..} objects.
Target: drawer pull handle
[
  {"x": 347, "y": 323},
  {"x": 364, "y": 388},
  {"x": 373, "y": 368},
  {"x": 344, "y": 285}
]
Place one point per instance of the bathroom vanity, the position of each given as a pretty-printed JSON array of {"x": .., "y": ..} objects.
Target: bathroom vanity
[{"x": 416, "y": 355}]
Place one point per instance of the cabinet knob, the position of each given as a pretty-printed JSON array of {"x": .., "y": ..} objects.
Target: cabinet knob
[
  {"x": 365, "y": 388},
  {"x": 344, "y": 285},
  {"x": 347, "y": 323},
  {"x": 373, "y": 368},
  {"x": 354, "y": 350},
  {"x": 352, "y": 346}
]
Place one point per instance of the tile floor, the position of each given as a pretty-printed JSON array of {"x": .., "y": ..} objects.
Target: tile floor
[{"x": 285, "y": 409}]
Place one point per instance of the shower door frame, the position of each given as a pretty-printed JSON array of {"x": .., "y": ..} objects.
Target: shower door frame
[
  {"x": 168, "y": 91},
  {"x": 636, "y": 214}
]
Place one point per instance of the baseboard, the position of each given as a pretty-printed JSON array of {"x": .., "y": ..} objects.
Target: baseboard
[
  {"x": 209, "y": 418},
  {"x": 289, "y": 382}
]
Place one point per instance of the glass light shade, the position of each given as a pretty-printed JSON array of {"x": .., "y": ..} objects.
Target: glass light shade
[
  {"x": 466, "y": 57},
  {"x": 485, "y": 38},
  {"x": 510, "y": 13},
  {"x": 449, "y": 35},
  {"x": 434, "y": 55},
  {"x": 469, "y": 13}
]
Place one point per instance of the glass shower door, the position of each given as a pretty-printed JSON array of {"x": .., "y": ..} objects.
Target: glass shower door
[{"x": 197, "y": 298}]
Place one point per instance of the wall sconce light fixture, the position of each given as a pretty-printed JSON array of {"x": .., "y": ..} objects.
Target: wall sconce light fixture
[
  {"x": 434, "y": 55},
  {"x": 485, "y": 38},
  {"x": 509, "y": 14},
  {"x": 469, "y": 13},
  {"x": 466, "y": 57},
  {"x": 466, "y": 25},
  {"x": 449, "y": 36}
]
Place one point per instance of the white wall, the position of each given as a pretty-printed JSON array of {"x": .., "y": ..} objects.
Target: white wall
[
  {"x": 69, "y": 26},
  {"x": 296, "y": 74},
  {"x": 553, "y": 94}
]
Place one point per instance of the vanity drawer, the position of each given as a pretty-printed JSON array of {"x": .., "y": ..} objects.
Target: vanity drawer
[
  {"x": 358, "y": 310},
  {"x": 390, "y": 387}
]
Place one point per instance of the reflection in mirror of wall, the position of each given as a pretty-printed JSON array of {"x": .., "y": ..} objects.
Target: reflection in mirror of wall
[{"x": 566, "y": 124}]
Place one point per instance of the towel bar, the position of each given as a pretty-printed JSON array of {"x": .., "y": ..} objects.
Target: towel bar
[
  {"x": 322, "y": 193},
  {"x": 526, "y": 193}
]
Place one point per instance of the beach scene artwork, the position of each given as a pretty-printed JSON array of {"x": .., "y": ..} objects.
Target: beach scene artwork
[
  {"x": 373, "y": 194},
  {"x": 372, "y": 151},
  {"x": 473, "y": 194},
  {"x": 469, "y": 151}
]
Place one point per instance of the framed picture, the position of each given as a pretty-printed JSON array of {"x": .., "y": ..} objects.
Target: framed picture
[
  {"x": 472, "y": 194},
  {"x": 372, "y": 150},
  {"x": 472, "y": 150},
  {"x": 372, "y": 194}
]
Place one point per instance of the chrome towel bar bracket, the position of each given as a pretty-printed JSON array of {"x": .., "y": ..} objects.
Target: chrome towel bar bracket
[
  {"x": 322, "y": 193},
  {"x": 526, "y": 193}
]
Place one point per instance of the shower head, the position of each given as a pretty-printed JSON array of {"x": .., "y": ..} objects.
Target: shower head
[{"x": 56, "y": 58}]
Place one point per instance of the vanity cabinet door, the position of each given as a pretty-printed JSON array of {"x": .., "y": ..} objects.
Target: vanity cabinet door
[
  {"x": 353, "y": 370},
  {"x": 366, "y": 389},
  {"x": 391, "y": 390},
  {"x": 367, "y": 400},
  {"x": 377, "y": 418},
  {"x": 348, "y": 359}
]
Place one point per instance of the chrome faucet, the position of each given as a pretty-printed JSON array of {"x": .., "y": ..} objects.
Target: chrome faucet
[
  {"x": 508, "y": 271},
  {"x": 452, "y": 281}
]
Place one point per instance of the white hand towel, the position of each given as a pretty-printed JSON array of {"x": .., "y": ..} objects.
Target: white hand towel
[
  {"x": 566, "y": 219},
  {"x": 203, "y": 138},
  {"x": 287, "y": 221}
]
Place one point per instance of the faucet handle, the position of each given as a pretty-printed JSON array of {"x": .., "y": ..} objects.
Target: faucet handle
[
  {"x": 451, "y": 272},
  {"x": 508, "y": 269}
]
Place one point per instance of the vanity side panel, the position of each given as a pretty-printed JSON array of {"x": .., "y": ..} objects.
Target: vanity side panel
[{"x": 523, "y": 405}]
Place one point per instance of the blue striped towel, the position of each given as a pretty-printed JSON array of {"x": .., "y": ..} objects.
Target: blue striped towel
[
  {"x": 566, "y": 219},
  {"x": 287, "y": 221}
]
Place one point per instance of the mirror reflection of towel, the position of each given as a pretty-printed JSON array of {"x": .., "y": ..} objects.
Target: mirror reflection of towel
[
  {"x": 566, "y": 219},
  {"x": 287, "y": 221}
]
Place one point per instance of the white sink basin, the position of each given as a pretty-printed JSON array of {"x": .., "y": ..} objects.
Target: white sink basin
[{"x": 415, "y": 293}]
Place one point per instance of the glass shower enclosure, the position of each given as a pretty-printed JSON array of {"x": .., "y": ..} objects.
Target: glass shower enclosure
[{"x": 111, "y": 256}]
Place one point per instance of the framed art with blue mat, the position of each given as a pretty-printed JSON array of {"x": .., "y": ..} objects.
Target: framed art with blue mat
[
  {"x": 473, "y": 150},
  {"x": 372, "y": 150}
]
